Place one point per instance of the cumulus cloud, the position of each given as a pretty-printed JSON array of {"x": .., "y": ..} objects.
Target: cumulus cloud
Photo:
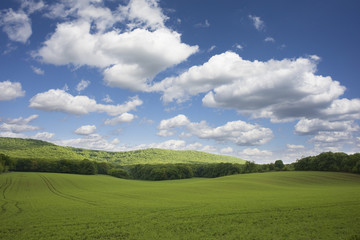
[
  {"x": 18, "y": 125},
  {"x": 178, "y": 145},
  {"x": 167, "y": 126},
  {"x": 17, "y": 25},
  {"x": 85, "y": 130},
  {"x": 313, "y": 126},
  {"x": 60, "y": 101},
  {"x": 342, "y": 109},
  {"x": 144, "y": 13},
  {"x": 332, "y": 141},
  {"x": 282, "y": 90},
  {"x": 238, "y": 132},
  {"x": 10, "y": 90},
  {"x": 123, "y": 118},
  {"x": 130, "y": 58},
  {"x": 255, "y": 152},
  {"x": 258, "y": 23},
  {"x": 30, "y": 6},
  {"x": 82, "y": 85},
  {"x": 331, "y": 137},
  {"x": 226, "y": 150},
  {"x": 91, "y": 141},
  {"x": 45, "y": 136}
]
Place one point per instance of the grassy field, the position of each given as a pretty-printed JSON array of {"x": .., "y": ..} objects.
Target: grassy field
[
  {"x": 37, "y": 149},
  {"x": 276, "y": 205}
]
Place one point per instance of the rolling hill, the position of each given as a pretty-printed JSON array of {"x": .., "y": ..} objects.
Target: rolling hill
[{"x": 37, "y": 149}]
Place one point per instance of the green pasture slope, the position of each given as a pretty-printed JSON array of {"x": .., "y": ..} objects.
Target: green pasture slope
[
  {"x": 37, "y": 149},
  {"x": 275, "y": 205}
]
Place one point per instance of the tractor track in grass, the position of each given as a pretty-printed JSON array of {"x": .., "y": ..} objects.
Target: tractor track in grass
[
  {"x": 58, "y": 193},
  {"x": 4, "y": 188}
]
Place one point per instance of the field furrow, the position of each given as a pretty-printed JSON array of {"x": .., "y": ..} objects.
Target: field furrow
[
  {"x": 4, "y": 188},
  {"x": 56, "y": 192},
  {"x": 7, "y": 202}
]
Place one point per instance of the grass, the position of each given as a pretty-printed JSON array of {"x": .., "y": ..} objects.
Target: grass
[
  {"x": 37, "y": 149},
  {"x": 276, "y": 205}
]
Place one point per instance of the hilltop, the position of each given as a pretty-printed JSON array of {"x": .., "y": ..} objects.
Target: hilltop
[{"x": 37, "y": 149}]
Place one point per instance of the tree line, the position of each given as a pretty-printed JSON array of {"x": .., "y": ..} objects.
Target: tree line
[
  {"x": 157, "y": 172},
  {"x": 139, "y": 171},
  {"x": 57, "y": 166},
  {"x": 329, "y": 161}
]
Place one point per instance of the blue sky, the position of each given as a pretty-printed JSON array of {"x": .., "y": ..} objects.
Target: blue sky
[{"x": 260, "y": 80}]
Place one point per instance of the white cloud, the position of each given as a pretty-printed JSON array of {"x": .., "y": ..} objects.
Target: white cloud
[
  {"x": 226, "y": 150},
  {"x": 209, "y": 148},
  {"x": 211, "y": 48},
  {"x": 206, "y": 24},
  {"x": 38, "y": 71},
  {"x": 313, "y": 126},
  {"x": 178, "y": 145},
  {"x": 257, "y": 155},
  {"x": 92, "y": 141},
  {"x": 18, "y": 125},
  {"x": 10, "y": 90},
  {"x": 60, "y": 101},
  {"x": 30, "y": 6},
  {"x": 85, "y": 130},
  {"x": 282, "y": 90},
  {"x": 170, "y": 144},
  {"x": 107, "y": 99},
  {"x": 342, "y": 109},
  {"x": 238, "y": 46},
  {"x": 269, "y": 39},
  {"x": 332, "y": 141},
  {"x": 65, "y": 88},
  {"x": 332, "y": 137},
  {"x": 129, "y": 59},
  {"x": 13, "y": 135},
  {"x": 45, "y": 136},
  {"x": 17, "y": 25},
  {"x": 144, "y": 13},
  {"x": 256, "y": 152},
  {"x": 93, "y": 12},
  {"x": 167, "y": 126},
  {"x": 294, "y": 147},
  {"x": 238, "y": 132},
  {"x": 123, "y": 118},
  {"x": 82, "y": 85},
  {"x": 258, "y": 23}
]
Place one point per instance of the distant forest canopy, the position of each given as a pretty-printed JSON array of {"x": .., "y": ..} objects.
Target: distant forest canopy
[
  {"x": 329, "y": 161},
  {"x": 36, "y": 149},
  {"x": 136, "y": 171},
  {"x": 339, "y": 162}
]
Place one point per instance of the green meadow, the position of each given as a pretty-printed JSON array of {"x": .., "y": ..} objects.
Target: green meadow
[{"x": 274, "y": 205}]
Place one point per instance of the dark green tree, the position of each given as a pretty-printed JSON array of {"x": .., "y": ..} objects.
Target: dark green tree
[
  {"x": 279, "y": 165},
  {"x": 87, "y": 167}
]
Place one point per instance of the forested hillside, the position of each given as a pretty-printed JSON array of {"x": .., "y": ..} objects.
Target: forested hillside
[{"x": 36, "y": 149}]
